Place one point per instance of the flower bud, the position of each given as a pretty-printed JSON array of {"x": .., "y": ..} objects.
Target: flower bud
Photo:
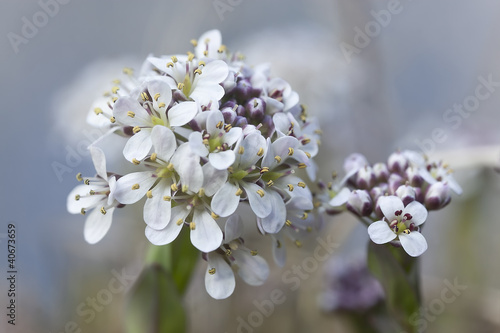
[
  {"x": 244, "y": 91},
  {"x": 229, "y": 115},
  {"x": 381, "y": 172},
  {"x": 366, "y": 178},
  {"x": 240, "y": 121},
  {"x": 394, "y": 182},
  {"x": 255, "y": 108},
  {"x": 353, "y": 163},
  {"x": 414, "y": 177},
  {"x": 437, "y": 196},
  {"x": 397, "y": 162},
  {"x": 406, "y": 193},
  {"x": 360, "y": 203}
]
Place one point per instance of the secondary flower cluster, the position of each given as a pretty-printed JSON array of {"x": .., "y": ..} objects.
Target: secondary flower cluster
[
  {"x": 393, "y": 198},
  {"x": 206, "y": 133}
]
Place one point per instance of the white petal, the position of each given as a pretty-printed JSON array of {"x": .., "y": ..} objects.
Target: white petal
[
  {"x": 182, "y": 113},
  {"x": 453, "y": 184},
  {"x": 380, "y": 233},
  {"x": 213, "y": 179},
  {"x": 261, "y": 205},
  {"x": 281, "y": 122},
  {"x": 276, "y": 219},
  {"x": 207, "y": 235},
  {"x": 210, "y": 41},
  {"x": 251, "y": 144},
  {"x": 112, "y": 188},
  {"x": 417, "y": 211},
  {"x": 163, "y": 141},
  {"x": 99, "y": 161},
  {"x": 214, "y": 117},
  {"x": 100, "y": 120},
  {"x": 279, "y": 250},
  {"x": 171, "y": 231},
  {"x": 158, "y": 86},
  {"x": 340, "y": 198},
  {"x": 252, "y": 269},
  {"x": 233, "y": 229},
  {"x": 222, "y": 160},
  {"x": 187, "y": 165},
  {"x": 225, "y": 201},
  {"x": 84, "y": 201},
  {"x": 196, "y": 144},
  {"x": 219, "y": 285},
  {"x": 233, "y": 135},
  {"x": 121, "y": 112},
  {"x": 124, "y": 192},
  {"x": 389, "y": 205},
  {"x": 299, "y": 203},
  {"x": 156, "y": 209},
  {"x": 413, "y": 243},
  {"x": 138, "y": 146},
  {"x": 97, "y": 225}
]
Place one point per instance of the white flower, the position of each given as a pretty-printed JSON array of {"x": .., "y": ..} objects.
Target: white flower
[
  {"x": 216, "y": 141},
  {"x": 97, "y": 196},
  {"x": 233, "y": 255},
  {"x": 150, "y": 108},
  {"x": 402, "y": 223}
]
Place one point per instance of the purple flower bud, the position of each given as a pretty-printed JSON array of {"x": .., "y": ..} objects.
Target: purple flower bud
[
  {"x": 437, "y": 196},
  {"x": 353, "y": 163},
  {"x": 229, "y": 115},
  {"x": 406, "y": 193},
  {"x": 255, "y": 108},
  {"x": 394, "y": 182},
  {"x": 376, "y": 193},
  {"x": 366, "y": 178},
  {"x": 381, "y": 172},
  {"x": 240, "y": 121},
  {"x": 397, "y": 162},
  {"x": 414, "y": 177},
  {"x": 360, "y": 203},
  {"x": 244, "y": 91}
]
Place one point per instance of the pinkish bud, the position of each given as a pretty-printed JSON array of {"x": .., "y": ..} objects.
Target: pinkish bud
[
  {"x": 381, "y": 172},
  {"x": 366, "y": 178},
  {"x": 360, "y": 203},
  {"x": 397, "y": 162},
  {"x": 406, "y": 193},
  {"x": 437, "y": 196}
]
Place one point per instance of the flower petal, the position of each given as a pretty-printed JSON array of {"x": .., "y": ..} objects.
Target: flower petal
[
  {"x": 157, "y": 210},
  {"x": 259, "y": 201},
  {"x": 233, "y": 229},
  {"x": 417, "y": 211},
  {"x": 85, "y": 200},
  {"x": 187, "y": 165},
  {"x": 233, "y": 135},
  {"x": 132, "y": 187},
  {"x": 97, "y": 225},
  {"x": 138, "y": 146},
  {"x": 413, "y": 243},
  {"x": 182, "y": 113},
  {"x": 99, "y": 161},
  {"x": 161, "y": 93},
  {"x": 273, "y": 222},
  {"x": 279, "y": 250},
  {"x": 222, "y": 160},
  {"x": 121, "y": 112},
  {"x": 221, "y": 283},
  {"x": 389, "y": 205},
  {"x": 196, "y": 144},
  {"x": 225, "y": 201},
  {"x": 380, "y": 233},
  {"x": 340, "y": 198},
  {"x": 214, "y": 118},
  {"x": 206, "y": 236},
  {"x": 210, "y": 41},
  {"x": 171, "y": 231},
  {"x": 213, "y": 179},
  {"x": 252, "y": 145},
  {"x": 164, "y": 143},
  {"x": 252, "y": 269}
]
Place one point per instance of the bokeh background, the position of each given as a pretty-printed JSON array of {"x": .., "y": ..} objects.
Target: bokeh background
[{"x": 391, "y": 93}]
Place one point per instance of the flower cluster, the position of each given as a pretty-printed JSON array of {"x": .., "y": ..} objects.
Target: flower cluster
[
  {"x": 206, "y": 133},
  {"x": 393, "y": 197}
]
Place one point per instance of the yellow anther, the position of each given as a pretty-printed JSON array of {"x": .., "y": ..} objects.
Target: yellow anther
[
  {"x": 174, "y": 187},
  {"x": 130, "y": 114},
  {"x": 318, "y": 131},
  {"x": 167, "y": 198},
  {"x": 309, "y": 229},
  {"x": 97, "y": 111},
  {"x": 207, "y": 40},
  {"x": 308, "y": 154},
  {"x": 306, "y": 141},
  {"x": 254, "y": 252},
  {"x": 190, "y": 56},
  {"x": 302, "y": 184},
  {"x": 135, "y": 187},
  {"x": 174, "y": 59},
  {"x": 255, "y": 103},
  {"x": 114, "y": 99},
  {"x": 112, "y": 120},
  {"x": 201, "y": 63},
  {"x": 298, "y": 243},
  {"x": 116, "y": 81},
  {"x": 136, "y": 129},
  {"x": 219, "y": 125},
  {"x": 260, "y": 152},
  {"x": 214, "y": 216},
  {"x": 194, "y": 42},
  {"x": 290, "y": 151},
  {"x": 106, "y": 94},
  {"x": 228, "y": 252},
  {"x": 288, "y": 223},
  {"x": 192, "y": 225},
  {"x": 161, "y": 105},
  {"x": 304, "y": 216},
  {"x": 278, "y": 244},
  {"x": 406, "y": 231},
  {"x": 179, "y": 222},
  {"x": 77, "y": 197},
  {"x": 206, "y": 142},
  {"x": 302, "y": 165},
  {"x": 180, "y": 86},
  {"x": 201, "y": 192},
  {"x": 79, "y": 177},
  {"x": 149, "y": 194},
  {"x": 156, "y": 96},
  {"x": 239, "y": 191},
  {"x": 115, "y": 89},
  {"x": 290, "y": 187},
  {"x": 270, "y": 183},
  {"x": 230, "y": 169},
  {"x": 92, "y": 192},
  {"x": 264, "y": 170},
  {"x": 144, "y": 96},
  {"x": 221, "y": 49},
  {"x": 82, "y": 211},
  {"x": 227, "y": 128},
  {"x": 277, "y": 158},
  {"x": 211, "y": 271},
  {"x": 205, "y": 53},
  {"x": 197, "y": 71},
  {"x": 170, "y": 166},
  {"x": 128, "y": 71},
  {"x": 87, "y": 181},
  {"x": 136, "y": 161},
  {"x": 241, "y": 150},
  {"x": 261, "y": 193},
  {"x": 103, "y": 211},
  {"x": 170, "y": 64},
  {"x": 303, "y": 118},
  {"x": 184, "y": 188},
  {"x": 153, "y": 157}
]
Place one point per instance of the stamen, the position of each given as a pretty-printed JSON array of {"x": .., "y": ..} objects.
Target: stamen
[
  {"x": 201, "y": 192},
  {"x": 302, "y": 184},
  {"x": 219, "y": 125},
  {"x": 194, "y": 42},
  {"x": 179, "y": 222},
  {"x": 190, "y": 56},
  {"x": 214, "y": 216},
  {"x": 290, "y": 151},
  {"x": 161, "y": 105},
  {"x": 192, "y": 225},
  {"x": 406, "y": 231},
  {"x": 197, "y": 71},
  {"x": 149, "y": 194},
  {"x": 79, "y": 177},
  {"x": 136, "y": 129},
  {"x": 277, "y": 158},
  {"x": 228, "y": 252},
  {"x": 205, "y": 53},
  {"x": 306, "y": 141},
  {"x": 398, "y": 212},
  {"x": 180, "y": 86},
  {"x": 128, "y": 71},
  {"x": 184, "y": 188},
  {"x": 221, "y": 49},
  {"x": 103, "y": 211},
  {"x": 290, "y": 187},
  {"x": 302, "y": 165},
  {"x": 174, "y": 59},
  {"x": 136, "y": 162},
  {"x": 304, "y": 216},
  {"x": 170, "y": 64},
  {"x": 241, "y": 150},
  {"x": 167, "y": 198},
  {"x": 239, "y": 191},
  {"x": 288, "y": 223},
  {"x": 227, "y": 128},
  {"x": 298, "y": 243},
  {"x": 308, "y": 154},
  {"x": 261, "y": 193},
  {"x": 77, "y": 197},
  {"x": 135, "y": 187},
  {"x": 115, "y": 89},
  {"x": 201, "y": 63},
  {"x": 92, "y": 192},
  {"x": 264, "y": 170},
  {"x": 153, "y": 157},
  {"x": 144, "y": 96},
  {"x": 82, "y": 211},
  {"x": 87, "y": 181},
  {"x": 254, "y": 252},
  {"x": 174, "y": 187},
  {"x": 112, "y": 120},
  {"x": 98, "y": 111},
  {"x": 114, "y": 99},
  {"x": 260, "y": 152},
  {"x": 157, "y": 95},
  {"x": 130, "y": 114},
  {"x": 211, "y": 271},
  {"x": 270, "y": 183},
  {"x": 278, "y": 244}
]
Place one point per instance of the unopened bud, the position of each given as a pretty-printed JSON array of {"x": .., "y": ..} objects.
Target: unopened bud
[
  {"x": 406, "y": 193},
  {"x": 360, "y": 203},
  {"x": 381, "y": 172},
  {"x": 397, "y": 162},
  {"x": 255, "y": 108},
  {"x": 394, "y": 182},
  {"x": 414, "y": 177},
  {"x": 366, "y": 178},
  {"x": 353, "y": 163},
  {"x": 437, "y": 196}
]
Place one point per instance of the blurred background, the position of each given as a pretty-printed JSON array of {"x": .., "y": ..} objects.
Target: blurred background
[{"x": 398, "y": 86}]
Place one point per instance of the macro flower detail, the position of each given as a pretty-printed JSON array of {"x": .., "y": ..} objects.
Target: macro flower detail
[{"x": 401, "y": 223}]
